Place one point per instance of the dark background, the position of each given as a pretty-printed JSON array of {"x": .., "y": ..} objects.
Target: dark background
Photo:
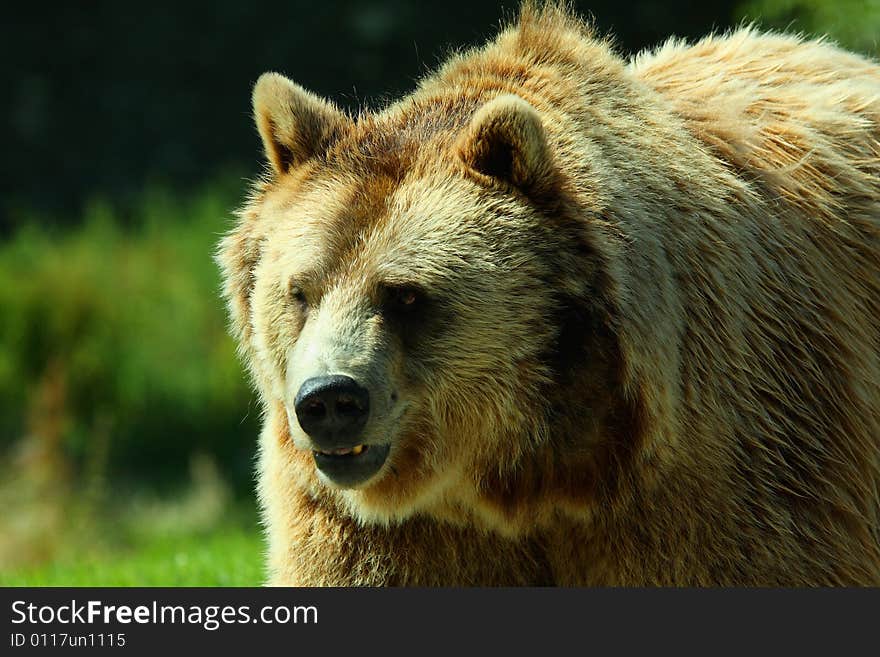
[{"x": 103, "y": 96}]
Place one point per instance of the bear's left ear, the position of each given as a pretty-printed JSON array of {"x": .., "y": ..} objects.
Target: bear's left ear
[{"x": 505, "y": 140}]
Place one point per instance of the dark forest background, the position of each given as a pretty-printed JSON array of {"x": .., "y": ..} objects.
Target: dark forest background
[{"x": 125, "y": 418}]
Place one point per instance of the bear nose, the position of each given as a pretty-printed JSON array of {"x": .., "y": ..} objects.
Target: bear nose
[{"x": 332, "y": 410}]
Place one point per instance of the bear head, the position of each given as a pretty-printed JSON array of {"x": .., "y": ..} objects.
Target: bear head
[{"x": 420, "y": 304}]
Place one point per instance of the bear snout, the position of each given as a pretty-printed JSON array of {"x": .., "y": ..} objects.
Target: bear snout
[{"x": 333, "y": 411}]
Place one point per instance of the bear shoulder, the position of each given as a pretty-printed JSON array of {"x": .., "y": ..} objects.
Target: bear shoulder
[{"x": 800, "y": 116}]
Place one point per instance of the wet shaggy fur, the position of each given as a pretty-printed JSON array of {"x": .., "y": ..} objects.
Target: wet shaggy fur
[{"x": 649, "y": 348}]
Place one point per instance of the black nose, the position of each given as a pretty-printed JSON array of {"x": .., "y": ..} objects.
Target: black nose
[{"x": 332, "y": 410}]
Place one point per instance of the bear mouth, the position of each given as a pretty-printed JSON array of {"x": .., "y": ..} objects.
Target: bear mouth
[{"x": 348, "y": 467}]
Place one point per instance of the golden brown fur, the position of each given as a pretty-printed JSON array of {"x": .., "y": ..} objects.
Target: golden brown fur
[{"x": 654, "y": 357}]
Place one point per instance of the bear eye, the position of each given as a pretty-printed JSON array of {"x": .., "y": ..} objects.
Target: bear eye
[
  {"x": 406, "y": 296},
  {"x": 296, "y": 294},
  {"x": 403, "y": 298}
]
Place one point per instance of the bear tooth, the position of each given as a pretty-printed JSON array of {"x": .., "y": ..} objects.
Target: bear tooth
[{"x": 357, "y": 449}]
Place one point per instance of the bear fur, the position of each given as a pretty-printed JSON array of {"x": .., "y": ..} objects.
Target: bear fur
[{"x": 645, "y": 346}]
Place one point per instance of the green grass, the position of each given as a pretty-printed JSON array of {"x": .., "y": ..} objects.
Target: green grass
[{"x": 230, "y": 557}]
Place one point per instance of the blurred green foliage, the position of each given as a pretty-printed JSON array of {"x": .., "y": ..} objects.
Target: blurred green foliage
[
  {"x": 119, "y": 331},
  {"x": 852, "y": 23}
]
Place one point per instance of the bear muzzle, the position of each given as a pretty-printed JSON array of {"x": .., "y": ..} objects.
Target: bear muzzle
[{"x": 333, "y": 411}]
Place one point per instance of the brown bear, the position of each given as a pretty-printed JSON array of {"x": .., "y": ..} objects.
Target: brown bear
[{"x": 557, "y": 318}]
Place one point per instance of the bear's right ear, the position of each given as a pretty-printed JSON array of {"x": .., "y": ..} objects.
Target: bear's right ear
[{"x": 295, "y": 125}]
